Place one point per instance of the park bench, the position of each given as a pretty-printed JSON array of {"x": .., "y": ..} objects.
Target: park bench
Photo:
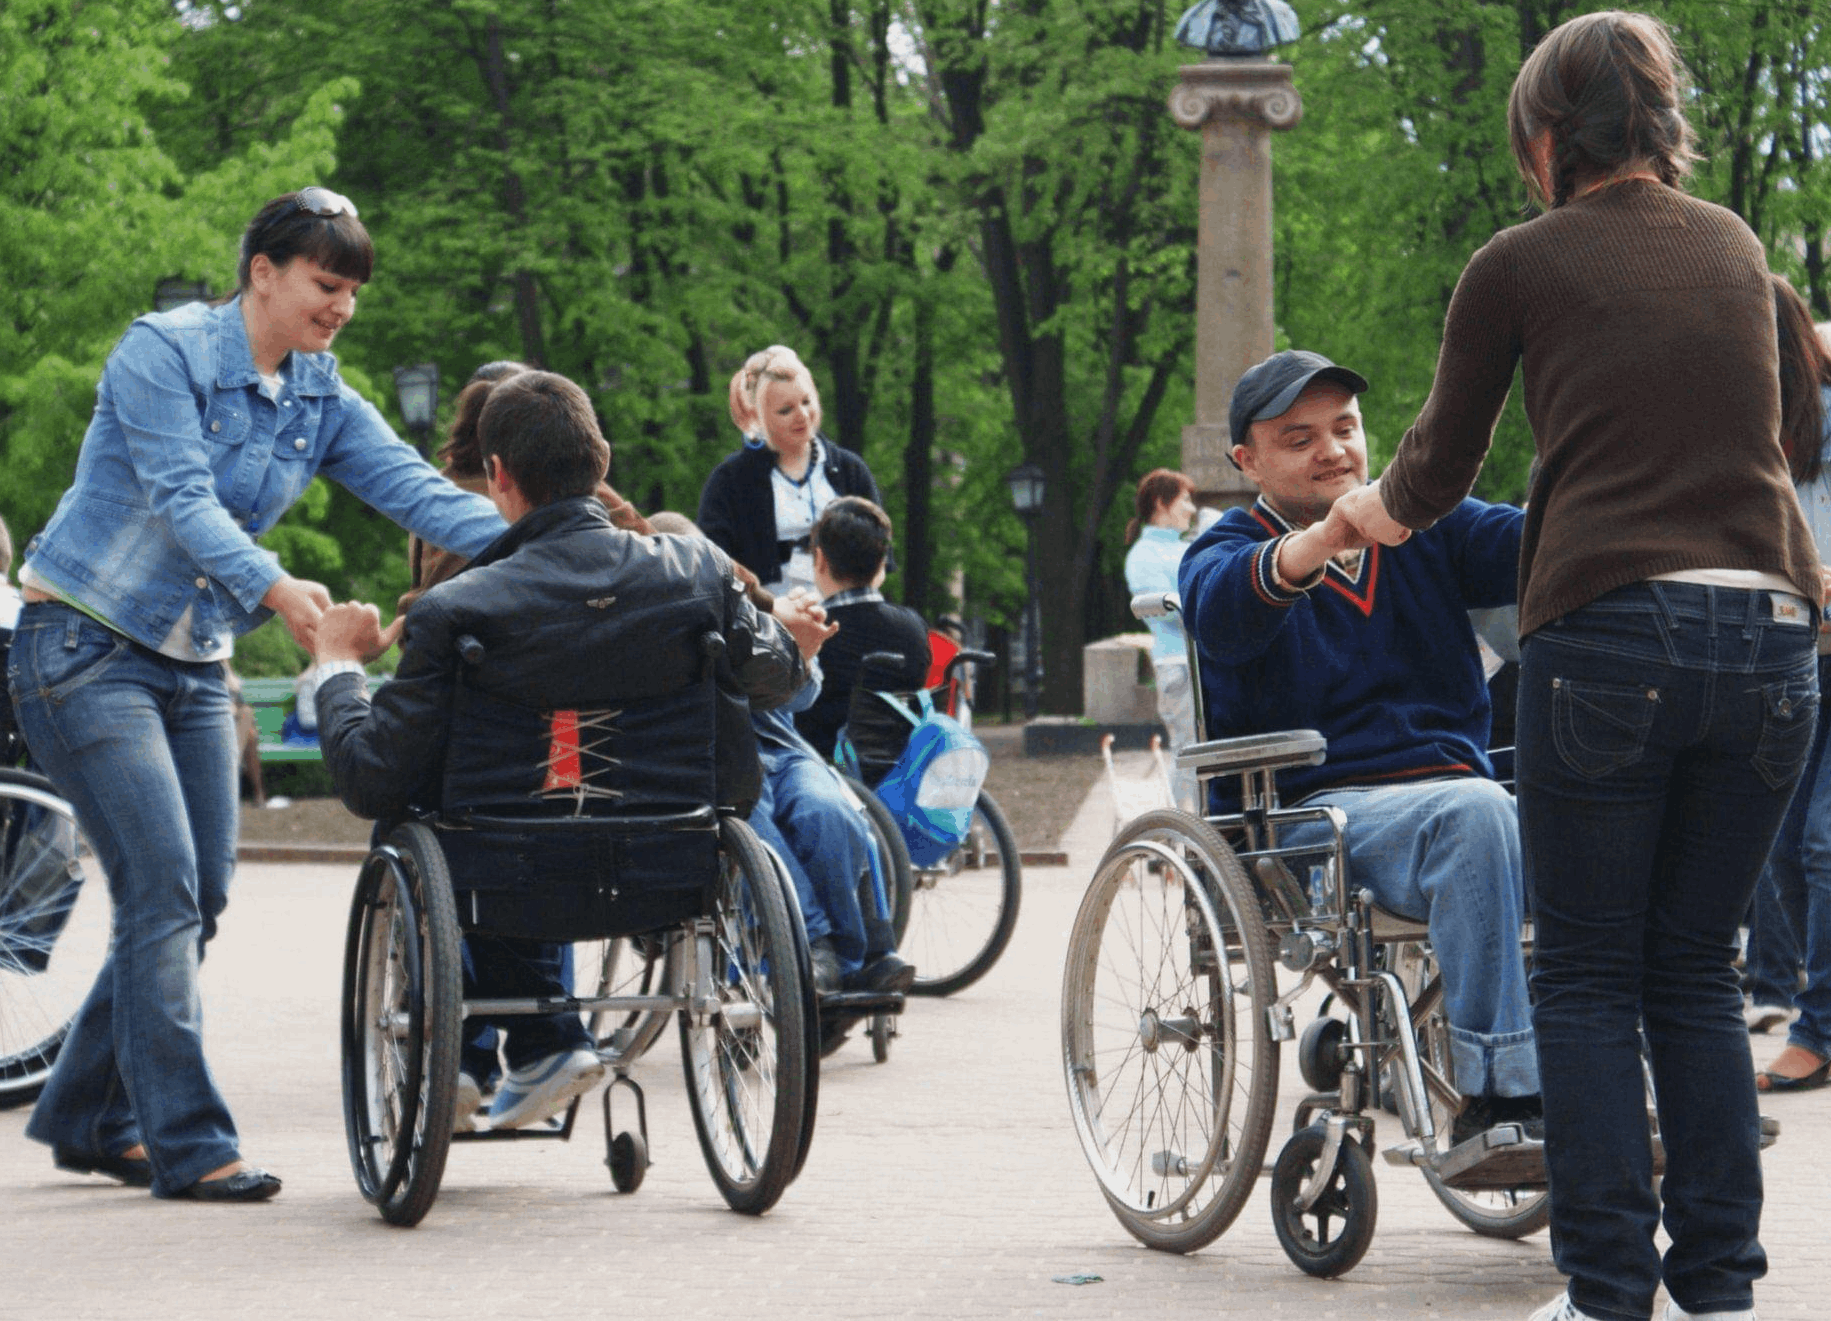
[{"x": 270, "y": 699}]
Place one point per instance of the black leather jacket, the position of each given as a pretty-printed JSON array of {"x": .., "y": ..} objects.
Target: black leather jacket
[{"x": 589, "y": 688}]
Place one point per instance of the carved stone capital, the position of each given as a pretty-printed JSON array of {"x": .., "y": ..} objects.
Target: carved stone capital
[{"x": 1254, "y": 90}]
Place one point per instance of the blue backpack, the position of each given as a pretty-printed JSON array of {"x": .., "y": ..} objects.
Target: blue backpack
[{"x": 935, "y": 783}]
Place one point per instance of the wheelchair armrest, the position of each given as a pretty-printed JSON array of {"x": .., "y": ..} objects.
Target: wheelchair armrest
[
  {"x": 698, "y": 818},
  {"x": 1253, "y": 752},
  {"x": 1156, "y": 605}
]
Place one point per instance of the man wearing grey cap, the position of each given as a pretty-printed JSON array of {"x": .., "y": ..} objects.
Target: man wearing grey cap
[{"x": 1300, "y": 623}]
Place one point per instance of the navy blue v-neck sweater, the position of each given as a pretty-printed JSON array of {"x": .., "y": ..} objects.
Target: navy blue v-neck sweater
[{"x": 1382, "y": 662}]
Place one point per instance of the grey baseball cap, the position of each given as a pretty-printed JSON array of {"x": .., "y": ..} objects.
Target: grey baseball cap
[{"x": 1268, "y": 389}]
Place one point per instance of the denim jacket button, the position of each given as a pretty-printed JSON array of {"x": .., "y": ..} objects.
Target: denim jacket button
[
  {"x": 203, "y": 582},
  {"x": 216, "y": 426},
  {"x": 299, "y": 444}
]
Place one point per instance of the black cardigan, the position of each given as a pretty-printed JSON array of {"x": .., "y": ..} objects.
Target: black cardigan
[{"x": 737, "y": 511}]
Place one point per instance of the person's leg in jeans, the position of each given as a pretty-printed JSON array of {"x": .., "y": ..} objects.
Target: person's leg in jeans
[
  {"x": 831, "y": 840},
  {"x": 144, "y": 750},
  {"x": 1777, "y": 915},
  {"x": 1446, "y": 852},
  {"x": 510, "y": 968},
  {"x": 1809, "y": 906},
  {"x": 1659, "y": 732}
]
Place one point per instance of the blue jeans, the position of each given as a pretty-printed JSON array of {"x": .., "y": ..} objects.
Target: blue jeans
[
  {"x": 144, "y": 749},
  {"x": 512, "y": 968},
  {"x": 1661, "y": 729},
  {"x": 1446, "y": 852},
  {"x": 825, "y": 841},
  {"x": 1792, "y": 913}
]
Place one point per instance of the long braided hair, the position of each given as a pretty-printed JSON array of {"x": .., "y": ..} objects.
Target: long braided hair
[{"x": 1610, "y": 89}]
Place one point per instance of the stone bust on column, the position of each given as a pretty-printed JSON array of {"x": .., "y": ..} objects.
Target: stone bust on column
[{"x": 1236, "y": 97}]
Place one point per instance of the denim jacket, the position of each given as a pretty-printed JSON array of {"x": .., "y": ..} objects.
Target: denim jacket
[{"x": 186, "y": 461}]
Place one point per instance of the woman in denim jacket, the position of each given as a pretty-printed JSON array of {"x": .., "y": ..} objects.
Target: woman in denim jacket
[{"x": 209, "y": 423}]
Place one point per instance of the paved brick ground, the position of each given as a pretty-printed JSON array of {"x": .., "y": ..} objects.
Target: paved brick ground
[{"x": 946, "y": 1183}]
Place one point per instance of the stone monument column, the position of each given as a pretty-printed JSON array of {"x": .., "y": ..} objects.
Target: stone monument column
[{"x": 1236, "y": 102}]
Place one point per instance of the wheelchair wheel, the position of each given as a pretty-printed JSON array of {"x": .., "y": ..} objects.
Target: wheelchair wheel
[
  {"x": 1331, "y": 1237},
  {"x": 900, "y": 872},
  {"x": 402, "y": 1002},
  {"x": 962, "y": 913},
  {"x": 626, "y": 965},
  {"x": 747, "y": 1065},
  {"x": 1172, "y": 1073},
  {"x": 55, "y": 922},
  {"x": 1493, "y": 1213}
]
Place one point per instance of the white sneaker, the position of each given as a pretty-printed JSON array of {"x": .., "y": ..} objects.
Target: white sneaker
[
  {"x": 1676, "y": 1313},
  {"x": 1561, "y": 1309},
  {"x": 544, "y": 1088},
  {"x": 464, "y": 1109}
]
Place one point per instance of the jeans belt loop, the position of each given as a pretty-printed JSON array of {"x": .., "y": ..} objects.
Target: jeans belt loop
[
  {"x": 1666, "y": 613},
  {"x": 1753, "y": 621},
  {"x": 73, "y": 624}
]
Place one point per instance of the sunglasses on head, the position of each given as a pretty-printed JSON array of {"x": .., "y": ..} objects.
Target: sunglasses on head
[{"x": 323, "y": 202}]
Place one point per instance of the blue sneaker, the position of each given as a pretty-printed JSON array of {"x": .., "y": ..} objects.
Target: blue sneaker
[{"x": 544, "y": 1088}]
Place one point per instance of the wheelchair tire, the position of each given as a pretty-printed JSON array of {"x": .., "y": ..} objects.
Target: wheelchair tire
[
  {"x": 962, "y": 913},
  {"x": 748, "y": 1083},
  {"x": 55, "y": 925},
  {"x": 1171, "y": 1069},
  {"x": 402, "y": 1007},
  {"x": 1493, "y": 1213},
  {"x": 1332, "y": 1236},
  {"x": 900, "y": 881}
]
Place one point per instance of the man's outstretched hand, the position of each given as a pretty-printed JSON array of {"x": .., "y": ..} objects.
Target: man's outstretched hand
[
  {"x": 353, "y": 631},
  {"x": 1364, "y": 509}
]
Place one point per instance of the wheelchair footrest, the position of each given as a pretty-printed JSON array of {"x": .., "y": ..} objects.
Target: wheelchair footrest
[
  {"x": 1501, "y": 1158},
  {"x": 863, "y": 1002}
]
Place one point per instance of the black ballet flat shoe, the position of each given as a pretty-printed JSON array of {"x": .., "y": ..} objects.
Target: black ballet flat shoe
[
  {"x": 134, "y": 1171},
  {"x": 251, "y": 1185},
  {"x": 1767, "y": 1082}
]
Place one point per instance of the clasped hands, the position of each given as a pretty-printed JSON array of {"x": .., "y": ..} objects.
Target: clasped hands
[
  {"x": 349, "y": 631},
  {"x": 1356, "y": 520}
]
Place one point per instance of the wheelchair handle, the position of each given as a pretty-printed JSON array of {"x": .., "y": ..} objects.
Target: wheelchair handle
[
  {"x": 1156, "y": 605},
  {"x": 469, "y": 649},
  {"x": 963, "y": 658}
]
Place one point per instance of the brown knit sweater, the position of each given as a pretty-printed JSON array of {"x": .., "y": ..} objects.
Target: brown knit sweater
[{"x": 1645, "y": 324}]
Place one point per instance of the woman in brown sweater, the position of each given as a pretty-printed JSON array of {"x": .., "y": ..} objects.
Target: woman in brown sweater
[{"x": 1669, "y": 590}]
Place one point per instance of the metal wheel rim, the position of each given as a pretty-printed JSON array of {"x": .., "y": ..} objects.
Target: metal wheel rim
[
  {"x": 955, "y": 909},
  {"x": 1125, "y": 1179},
  {"x": 734, "y": 1071},
  {"x": 391, "y": 1006},
  {"x": 66, "y": 923}
]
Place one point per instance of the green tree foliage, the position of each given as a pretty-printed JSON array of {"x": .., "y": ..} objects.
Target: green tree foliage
[{"x": 974, "y": 219}]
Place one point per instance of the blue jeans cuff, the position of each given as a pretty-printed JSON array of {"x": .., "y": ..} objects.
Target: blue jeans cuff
[{"x": 1506, "y": 1064}]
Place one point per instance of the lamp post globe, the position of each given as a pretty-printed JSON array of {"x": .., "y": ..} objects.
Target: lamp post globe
[
  {"x": 418, "y": 390},
  {"x": 1027, "y": 485}
]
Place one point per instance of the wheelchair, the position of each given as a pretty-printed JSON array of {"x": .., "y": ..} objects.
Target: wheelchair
[
  {"x": 55, "y": 918},
  {"x": 953, "y": 920},
  {"x": 1172, "y": 1018},
  {"x": 674, "y": 914}
]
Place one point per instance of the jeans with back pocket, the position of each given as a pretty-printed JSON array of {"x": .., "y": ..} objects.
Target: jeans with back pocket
[{"x": 1661, "y": 730}]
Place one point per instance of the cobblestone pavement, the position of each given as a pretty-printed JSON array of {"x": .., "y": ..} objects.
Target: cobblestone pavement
[{"x": 945, "y": 1183}]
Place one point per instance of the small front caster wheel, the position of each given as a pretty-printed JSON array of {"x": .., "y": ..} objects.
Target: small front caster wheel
[
  {"x": 881, "y": 1032},
  {"x": 1331, "y": 1236},
  {"x": 628, "y": 1161}
]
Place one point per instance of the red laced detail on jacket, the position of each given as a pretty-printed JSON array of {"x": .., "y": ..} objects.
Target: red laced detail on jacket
[{"x": 576, "y": 756}]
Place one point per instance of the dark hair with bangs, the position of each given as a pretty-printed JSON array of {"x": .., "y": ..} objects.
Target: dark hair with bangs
[
  {"x": 1610, "y": 86},
  {"x": 854, "y": 535},
  {"x": 1804, "y": 367},
  {"x": 283, "y": 229},
  {"x": 545, "y": 431}
]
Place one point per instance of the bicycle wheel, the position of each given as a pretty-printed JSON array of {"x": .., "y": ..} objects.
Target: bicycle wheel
[
  {"x": 1171, "y": 1069},
  {"x": 746, "y": 1064},
  {"x": 899, "y": 871},
  {"x": 55, "y": 926},
  {"x": 962, "y": 913}
]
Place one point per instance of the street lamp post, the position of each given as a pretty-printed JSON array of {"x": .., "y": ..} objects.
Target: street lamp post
[
  {"x": 1026, "y": 483},
  {"x": 175, "y": 291},
  {"x": 418, "y": 388}
]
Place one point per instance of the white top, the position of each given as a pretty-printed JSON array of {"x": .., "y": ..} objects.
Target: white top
[{"x": 798, "y": 506}]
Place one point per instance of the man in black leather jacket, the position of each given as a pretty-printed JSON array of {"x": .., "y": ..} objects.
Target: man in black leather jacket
[{"x": 562, "y": 673}]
